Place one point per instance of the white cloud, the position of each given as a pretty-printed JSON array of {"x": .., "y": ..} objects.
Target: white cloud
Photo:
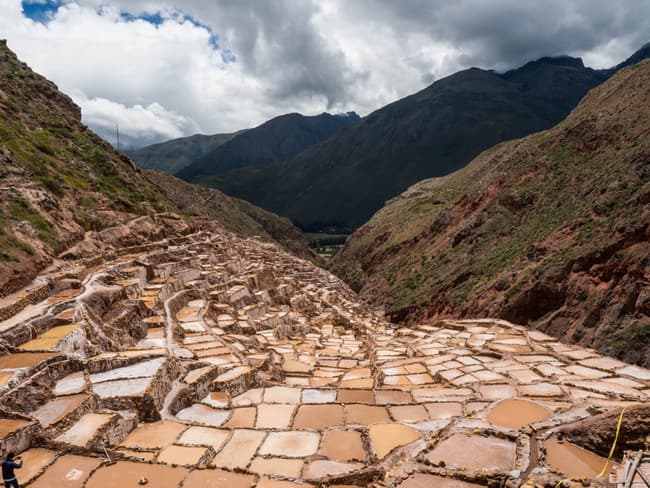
[
  {"x": 161, "y": 81},
  {"x": 137, "y": 124}
]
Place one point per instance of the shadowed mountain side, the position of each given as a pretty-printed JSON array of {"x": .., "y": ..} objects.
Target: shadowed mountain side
[
  {"x": 172, "y": 156},
  {"x": 338, "y": 184}
]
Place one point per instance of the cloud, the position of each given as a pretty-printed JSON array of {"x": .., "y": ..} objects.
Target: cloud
[
  {"x": 137, "y": 124},
  {"x": 178, "y": 67}
]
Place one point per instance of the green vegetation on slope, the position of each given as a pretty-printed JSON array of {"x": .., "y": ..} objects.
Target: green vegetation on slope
[{"x": 235, "y": 215}]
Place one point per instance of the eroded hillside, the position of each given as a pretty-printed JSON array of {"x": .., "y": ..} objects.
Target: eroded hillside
[
  {"x": 60, "y": 184},
  {"x": 552, "y": 230}
]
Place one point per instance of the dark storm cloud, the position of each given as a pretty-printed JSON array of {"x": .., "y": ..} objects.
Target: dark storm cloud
[
  {"x": 506, "y": 33},
  {"x": 278, "y": 42}
]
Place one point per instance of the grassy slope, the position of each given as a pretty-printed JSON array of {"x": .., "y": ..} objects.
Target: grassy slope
[
  {"x": 550, "y": 230},
  {"x": 59, "y": 179}
]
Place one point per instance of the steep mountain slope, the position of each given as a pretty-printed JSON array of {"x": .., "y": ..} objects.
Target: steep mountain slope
[
  {"x": 172, "y": 156},
  {"x": 430, "y": 133},
  {"x": 275, "y": 140},
  {"x": 235, "y": 215},
  {"x": 64, "y": 189},
  {"x": 552, "y": 230}
]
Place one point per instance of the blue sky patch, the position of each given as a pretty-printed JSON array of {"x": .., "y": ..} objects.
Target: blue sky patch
[
  {"x": 152, "y": 18},
  {"x": 41, "y": 11},
  {"x": 214, "y": 39}
]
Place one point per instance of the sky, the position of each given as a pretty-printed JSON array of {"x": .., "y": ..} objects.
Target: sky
[{"x": 166, "y": 69}]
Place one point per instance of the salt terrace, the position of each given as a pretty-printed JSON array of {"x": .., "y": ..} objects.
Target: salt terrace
[{"x": 213, "y": 360}]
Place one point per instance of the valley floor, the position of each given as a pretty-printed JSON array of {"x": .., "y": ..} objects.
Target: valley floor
[{"x": 214, "y": 360}]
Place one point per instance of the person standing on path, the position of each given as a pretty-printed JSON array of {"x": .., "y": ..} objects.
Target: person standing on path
[{"x": 8, "y": 466}]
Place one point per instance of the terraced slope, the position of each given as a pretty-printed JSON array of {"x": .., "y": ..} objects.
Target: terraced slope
[
  {"x": 235, "y": 215},
  {"x": 552, "y": 231},
  {"x": 213, "y": 360}
]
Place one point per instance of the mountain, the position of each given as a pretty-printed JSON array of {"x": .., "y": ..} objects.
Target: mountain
[
  {"x": 275, "y": 140},
  {"x": 552, "y": 231},
  {"x": 172, "y": 156},
  {"x": 65, "y": 194},
  {"x": 338, "y": 184}
]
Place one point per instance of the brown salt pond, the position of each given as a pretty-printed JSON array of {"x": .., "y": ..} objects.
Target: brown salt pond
[
  {"x": 318, "y": 416},
  {"x": 58, "y": 408},
  {"x": 420, "y": 480},
  {"x": 409, "y": 413},
  {"x": 274, "y": 416},
  {"x": 49, "y": 339},
  {"x": 203, "y": 478},
  {"x": 291, "y": 444},
  {"x": 573, "y": 460},
  {"x": 24, "y": 359},
  {"x": 275, "y": 466},
  {"x": 126, "y": 473},
  {"x": 202, "y": 414},
  {"x": 266, "y": 482},
  {"x": 81, "y": 433},
  {"x": 242, "y": 418},
  {"x": 8, "y": 426},
  {"x": 474, "y": 452},
  {"x": 322, "y": 468},
  {"x": 154, "y": 435},
  {"x": 386, "y": 437},
  {"x": 204, "y": 436},
  {"x": 366, "y": 414},
  {"x": 343, "y": 445},
  {"x": 239, "y": 450},
  {"x": 514, "y": 414},
  {"x": 68, "y": 472},
  {"x": 355, "y": 396},
  {"x": 34, "y": 462},
  {"x": 183, "y": 455}
]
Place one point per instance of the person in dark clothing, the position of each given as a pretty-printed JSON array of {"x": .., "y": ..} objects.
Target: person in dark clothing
[{"x": 8, "y": 466}]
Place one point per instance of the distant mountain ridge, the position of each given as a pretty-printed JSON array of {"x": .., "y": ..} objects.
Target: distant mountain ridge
[
  {"x": 176, "y": 154},
  {"x": 430, "y": 133},
  {"x": 273, "y": 141}
]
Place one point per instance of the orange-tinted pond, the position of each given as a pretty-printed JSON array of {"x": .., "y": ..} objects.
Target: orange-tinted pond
[
  {"x": 514, "y": 414},
  {"x": 67, "y": 472},
  {"x": 573, "y": 460},
  {"x": 125, "y": 473}
]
